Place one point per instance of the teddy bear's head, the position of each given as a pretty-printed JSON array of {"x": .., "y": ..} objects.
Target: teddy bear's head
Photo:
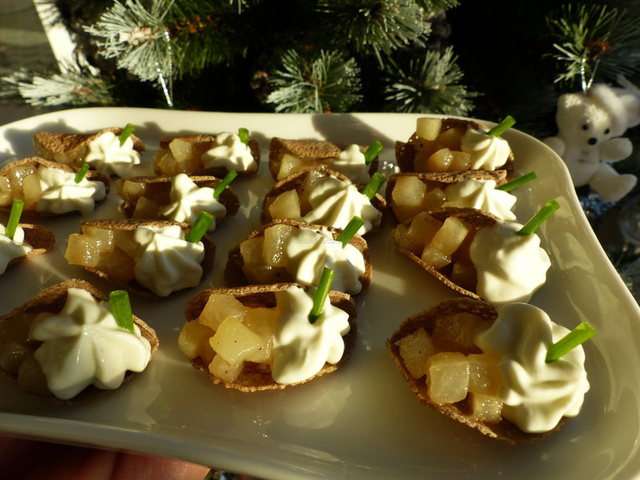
[{"x": 582, "y": 122}]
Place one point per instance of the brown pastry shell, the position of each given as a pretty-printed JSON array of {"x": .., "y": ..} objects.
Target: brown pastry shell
[
  {"x": 235, "y": 277},
  {"x": 459, "y": 411},
  {"x": 52, "y": 299},
  {"x": 256, "y": 377}
]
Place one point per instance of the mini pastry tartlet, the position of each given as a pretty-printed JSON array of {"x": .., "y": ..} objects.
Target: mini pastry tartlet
[
  {"x": 322, "y": 197},
  {"x": 291, "y": 251},
  {"x": 156, "y": 198},
  {"x": 49, "y": 188},
  {"x": 411, "y": 193},
  {"x": 150, "y": 258},
  {"x": 103, "y": 150},
  {"x": 475, "y": 253},
  {"x": 487, "y": 367},
  {"x": 451, "y": 144},
  {"x": 29, "y": 240},
  {"x": 287, "y": 157},
  {"x": 205, "y": 154},
  {"x": 19, "y": 352},
  {"x": 233, "y": 335}
]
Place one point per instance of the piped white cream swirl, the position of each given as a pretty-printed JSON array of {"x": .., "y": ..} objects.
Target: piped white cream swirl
[
  {"x": 83, "y": 345},
  {"x": 61, "y": 194},
  {"x": 511, "y": 267},
  {"x": 536, "y": 394},
  {"x": 308, "y": 252},
  {"x": 300, "y": 348},
  {"x": 488, "y": 152},
  {"x": 188, "y": 200},
  {"x": 11, "y": 248},
  {"x": 230, "y": 152},
  {"x": 482, "y": 195},
  {"x": 335, "y": 202},
  {"x": 106, "y": 155},
  {"x": 165, "y": 261}
]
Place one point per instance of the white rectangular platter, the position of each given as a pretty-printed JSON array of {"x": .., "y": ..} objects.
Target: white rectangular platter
[{"x": 362, "y": 421}]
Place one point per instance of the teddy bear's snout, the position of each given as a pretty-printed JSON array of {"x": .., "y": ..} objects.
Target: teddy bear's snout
[{"x": 592, "y": 141}]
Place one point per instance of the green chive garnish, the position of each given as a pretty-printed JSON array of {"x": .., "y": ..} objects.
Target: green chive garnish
[
  {"x": 372, "y": 151},
  {"x": 502, "y": 127},
  {"x": 507, "y": 187},
  {"x": 199, "y": 227},
  {"x": 243, "y": 133},
  {"x": 350, "y": 230},
  {"x": 128, "y": 130},
  {"x": 228, "y": 178},
  {"x": 82, "y": 172},
  {"x": 571, "y": 340},
  {"x": 121, "y": 309},
  {"x": 545, "y": 212},
  {"x": 322, "y": 291},
  {"x": 14, "y": 218},
  {"x": 374, "y": 185}
]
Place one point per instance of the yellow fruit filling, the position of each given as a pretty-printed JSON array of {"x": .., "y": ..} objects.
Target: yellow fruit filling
[
  {"x": 438, "y": 148},
  {"x": 110, "y": 251},
  {"x": 441, "y": 245},
  {"x": 229, "y": 335},
  {"x": 454, "y": 368}
]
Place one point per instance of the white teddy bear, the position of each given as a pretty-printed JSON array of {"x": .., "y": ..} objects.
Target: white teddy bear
[{"x": 590, "y": 127}]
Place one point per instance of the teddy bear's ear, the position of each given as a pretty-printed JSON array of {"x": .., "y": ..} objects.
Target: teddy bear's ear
[
  {"x": 570, "y": 108},
  {"x": 607, "y": 99}
]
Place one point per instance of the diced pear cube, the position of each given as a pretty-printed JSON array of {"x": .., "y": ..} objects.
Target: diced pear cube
[
  {"x": 102, "y": 237},
  {"x": 464, "y": 274},
  {"x": 451, "y": 138},
  {"x": 408, "y": 195},
  {"x": 118, "y": 265},
  {"x": 440, "y": 161},
  {"x": 82, "y": 251},
  {"x": 445, "y": 242},
  {"x": 286, "y": 205},
  {"x": 460, "y": 160},
  {"x": 251, "y": 251},
  {"x": 262, "y": 321},
  {"x": 419, "y": 232},
  {"x": 428, "y": 128},
  {"x": 289, "y": 165},
  {"x": 486, "y": 408},
  {"x": 451, "y": 235},
  {"x": 409, "y": 191},
  {"x": 6, "y": 198},
  {"x": 193, "y": 341},
  {"x": 456, "y": 332},
  {"x": 447, "y": 377},
  {"x": 31, "y": 191},
  {"x": 484, "y": 374},
  {"x": 224, "y": 370},
  {"x": 219, "y": 307},
  {"x": 433, "y": 199},
  {"x": 145, "y": 208},
  {"x": 125, "y": 240},
  {"x": 415, "y": 349},
  {"x": 275, "y": 241},
  {"x": 234, "y": 341}
]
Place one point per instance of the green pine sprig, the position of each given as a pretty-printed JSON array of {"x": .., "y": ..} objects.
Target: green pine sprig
[{"x": 326, "y": 82}]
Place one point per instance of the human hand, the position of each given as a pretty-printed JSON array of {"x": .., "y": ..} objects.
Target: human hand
[{"x": 36, "y": 460}]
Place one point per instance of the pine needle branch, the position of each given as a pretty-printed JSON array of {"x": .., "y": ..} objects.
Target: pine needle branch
[
  {"x": 328, "y": 82},
  {"x": 376, "y": 26},
  {"x": 430, "y": 85},
  {"x": 75, "y": 87},
  {"x": 136, "y": 38},
  {"x": 594, "y": 40}
]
